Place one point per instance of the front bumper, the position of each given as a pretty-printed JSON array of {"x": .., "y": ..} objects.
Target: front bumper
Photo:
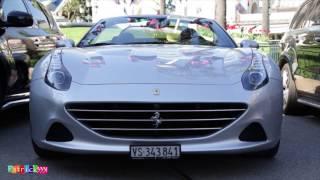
[{"x": 47, "y": 106}]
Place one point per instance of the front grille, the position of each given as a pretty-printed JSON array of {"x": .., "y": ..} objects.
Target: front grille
[{"x": 156, "y": 120}]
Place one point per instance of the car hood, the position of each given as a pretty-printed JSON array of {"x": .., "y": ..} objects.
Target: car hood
[{"x": 156, "y": 64}]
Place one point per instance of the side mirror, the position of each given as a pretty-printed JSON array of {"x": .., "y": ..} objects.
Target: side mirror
[
  {"x": 65, "y": 43},
  {"x": 19, "y": 19},
  {"x": 249, "y": 44}
]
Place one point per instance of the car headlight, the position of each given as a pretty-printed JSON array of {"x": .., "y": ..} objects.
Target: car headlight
[
  {"x": 255, "y": 76},
  {"x": 57, "y": 75}
]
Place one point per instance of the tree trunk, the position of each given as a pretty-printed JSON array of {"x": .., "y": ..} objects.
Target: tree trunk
[
  {"x": 266, "y": 17},
  {"x": 221, "y": 12},
  {"x": 185, "y": 7},
  {"x": 162, "y": 6}
]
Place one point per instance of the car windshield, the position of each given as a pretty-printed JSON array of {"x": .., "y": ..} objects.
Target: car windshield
[{"x": 156, "y": 30}]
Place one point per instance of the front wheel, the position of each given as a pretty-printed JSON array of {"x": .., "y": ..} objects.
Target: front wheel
[
  {"x": 290, "y": 103},
  {"x": 43, "y": 153},
  {"x": 316, "y": 112},
  {"x": 23, "y": 75},
  {"x": 1, "y": 95},
  {"x": 269, "y": 153}
]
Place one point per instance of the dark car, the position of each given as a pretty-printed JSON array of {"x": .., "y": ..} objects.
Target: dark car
[
  {"x": 37, "y": 39},
  {"x": 28, "y": 44},
  {"x": 300, "y": 59},
  {"x": 9, "y": 75}
]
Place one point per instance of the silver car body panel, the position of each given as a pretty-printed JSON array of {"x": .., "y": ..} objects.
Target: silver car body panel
[{"x": 119, "y": 78}]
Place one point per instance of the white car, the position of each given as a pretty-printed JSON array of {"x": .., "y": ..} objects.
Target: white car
[{"x": 141, "y": 86}]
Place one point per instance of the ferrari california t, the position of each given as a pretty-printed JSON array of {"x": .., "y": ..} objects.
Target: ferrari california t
[{"x": 156, "y": 87}]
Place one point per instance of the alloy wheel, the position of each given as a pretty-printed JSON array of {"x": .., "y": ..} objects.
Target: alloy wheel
[{"x": 285, "y": 84}]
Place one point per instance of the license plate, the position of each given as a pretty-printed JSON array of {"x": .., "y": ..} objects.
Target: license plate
[{"x": 155, "y": 152}]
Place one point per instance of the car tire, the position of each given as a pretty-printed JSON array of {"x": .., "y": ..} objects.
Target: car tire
[
  {"x": 1, "y": 94},
  {"x": 43, "y": 153},
  {"x": 315, "y": 112},
  {"x": 1, "y": 101},
  {"x": 290, "y": 104},
  {"x": 269, "y": 153},
  {"x": 23, "y": 75}
]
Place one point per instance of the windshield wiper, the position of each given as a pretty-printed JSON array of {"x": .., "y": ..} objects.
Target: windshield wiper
[
  {"x": 155, "y": 42},
  {"x": 127, "y": 43},
  {"x": 101, "y": 44}
]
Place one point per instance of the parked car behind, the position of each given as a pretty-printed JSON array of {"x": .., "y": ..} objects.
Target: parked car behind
[
  {"x": 28, "y": 44},
  {"x": 9, "y": 78},
  {"x": 34, "y": 40},
  {"x": 300, "y": 59}
]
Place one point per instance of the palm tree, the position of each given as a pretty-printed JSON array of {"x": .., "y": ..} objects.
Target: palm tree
[
  {"x": 221, "y": 12},
  {"x": 266, "y": 17},
  {"x": 162, "y": 6},
  {"x": 71, "y": 9}
]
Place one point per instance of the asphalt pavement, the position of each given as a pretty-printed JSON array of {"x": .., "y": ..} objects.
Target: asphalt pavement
[{"x": 298, "y": 158}]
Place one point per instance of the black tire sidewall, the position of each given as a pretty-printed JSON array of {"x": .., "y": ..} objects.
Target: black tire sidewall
[
  {"x": 47, "y": 154},
  {"x": 268, "y": 153},
  {"x": 292, "y": 103},
  {"x": 22, "y": 70},
  {"x": 40, "y": 152},
  {"x": 1, "y": 93}
]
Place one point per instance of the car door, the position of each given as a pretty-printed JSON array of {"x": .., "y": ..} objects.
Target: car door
[
  {"x": 308, "y": 54},
  {"x": 8, "y": 72},
  {"x": 317, "y": 46},
  {"x": 315, "y": 53},
  {"x": 46, "y": 30},
  {"x": 35, "y": 40},
  {"x": 15, "y": 36}
]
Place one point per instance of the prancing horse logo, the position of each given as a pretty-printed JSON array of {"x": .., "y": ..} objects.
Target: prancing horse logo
[
  {"x": 156, "y": 119},
  {"x": 156, "y": 91}
]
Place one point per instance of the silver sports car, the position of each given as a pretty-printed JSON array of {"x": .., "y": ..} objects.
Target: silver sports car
[{"x": 156, "y": 87}]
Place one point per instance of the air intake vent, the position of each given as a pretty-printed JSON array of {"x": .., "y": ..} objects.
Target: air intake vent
[
  {"x": 59, "y": 133},
  {"x": 254, "y": 132}
]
